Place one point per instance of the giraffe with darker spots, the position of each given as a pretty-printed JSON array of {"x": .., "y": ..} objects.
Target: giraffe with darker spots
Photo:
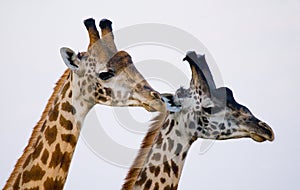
[
  {"x": 93, "y": 77},
  {"x": 201, "y": 111}
]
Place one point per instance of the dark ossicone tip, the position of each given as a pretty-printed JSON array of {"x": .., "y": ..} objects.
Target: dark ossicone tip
[
  {"x": 89, "y": 23},
  {"x": 105, "y": 24},
  {"x": 92, "y": 30},
  {"x": 200, "y": 63},
  {"x": 195, "y": 59}
]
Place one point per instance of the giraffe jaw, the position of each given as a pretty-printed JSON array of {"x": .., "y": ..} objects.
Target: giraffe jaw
[
  {"x": 258, "y": 138},
  {"x": 157, "y": 106},
  {"x": 261, "y": 138},
  {"x": 261, "y": 132}
]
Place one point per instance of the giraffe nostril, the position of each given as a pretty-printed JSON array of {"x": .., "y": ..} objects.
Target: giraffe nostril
[{"x": 155, "y": 95}]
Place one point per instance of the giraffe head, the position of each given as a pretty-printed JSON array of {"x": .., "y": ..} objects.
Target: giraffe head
[
  {"x": 106, "y": 76},
  {"x": 213, "y": 112}
]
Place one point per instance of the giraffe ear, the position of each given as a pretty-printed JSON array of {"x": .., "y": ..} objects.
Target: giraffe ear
[{"x": 70, "y": 58}]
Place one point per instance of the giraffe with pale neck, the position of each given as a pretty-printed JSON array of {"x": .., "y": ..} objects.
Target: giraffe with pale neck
[
  {"x": 99, "y": 76},
  {"x": 201, "y": 111}
]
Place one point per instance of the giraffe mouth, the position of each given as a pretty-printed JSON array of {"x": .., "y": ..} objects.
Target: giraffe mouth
[
  {"x": 258, "y": 138},
  {"x": 157, "y": 105},
  {"x": 146, "y": 107},
  {"x": 262, "y": 132},
  {"x": 149, "y": 108}
]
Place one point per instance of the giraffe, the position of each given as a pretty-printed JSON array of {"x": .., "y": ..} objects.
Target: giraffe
[
  {"x": 99, "y": 76},
  {"x": 201, "y": 111}
]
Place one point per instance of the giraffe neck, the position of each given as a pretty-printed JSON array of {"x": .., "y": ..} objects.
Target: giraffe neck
[
  {"x": 164, "y": 160},
  {"x": 47, "y": 157}
]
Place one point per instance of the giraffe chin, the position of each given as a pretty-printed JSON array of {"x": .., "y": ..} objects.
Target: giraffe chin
[
  {"x": 149, "y": 108},
  {"x": 145, "y": 106},
  {"x": 257, "y": 137},
  {"x": 160, "y": 107}
]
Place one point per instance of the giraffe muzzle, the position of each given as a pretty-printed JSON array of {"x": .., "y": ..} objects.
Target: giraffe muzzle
[{"x": 262, "y": 132}]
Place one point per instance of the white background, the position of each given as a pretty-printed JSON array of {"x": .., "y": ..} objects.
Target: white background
[{"x": 256, "y": 45}]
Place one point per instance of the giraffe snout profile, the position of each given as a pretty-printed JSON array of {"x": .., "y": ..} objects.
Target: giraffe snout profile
[{"x": 261, "y": 131}]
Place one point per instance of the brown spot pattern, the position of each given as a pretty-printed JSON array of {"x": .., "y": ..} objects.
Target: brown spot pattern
[
  {"x": 174, "y": 168},
  {"x": 69, "y": 138},
  {"x": 90, "y": 88},
  {"x": 56, "y": 157},
  {"x": 34, "y": 174},
  {"x": 53, "y": 114},
  {"x": 27, "y": 161},
  {"x": 157, "y": 170},
  {"x": 156, "y": 156},
  {"x": 65, "y": 89},
  {"x": 102, "y": 99},
  {"x": 66, "y": 106},
  {"x": 167, "y": 168},
  {"x": 171, "y": 144},
  {"x": 178, "y": 149},
  {"x": 164, "y": 146},
  {"x": 152, "y": 168},
  {"x": 16, "y": 185},
  {"x": 45, "y": 156},
  {"x": 165, "y": 125},
  {"x": 159, "y": 141},
  {"x": 184, "y": 155},
  {"x": 66, "y": 161},
  {"x": 170, "y": 127},
  {"x": 43, "y": 126},
  {"x": 70, "y": 94},
  {"x": 108, "y": 91},
  {"x": 50, "y": 134},
  {"x": 67, "y": 124},
  {"x": 51, "y": 184},
  {"x": 37, "y": 151},
  {"x": 142, "y": 179},
  {"x": 148, "y": 184}
]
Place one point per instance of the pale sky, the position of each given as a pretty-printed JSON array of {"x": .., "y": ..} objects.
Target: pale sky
[{"x": 256, "y": 48}]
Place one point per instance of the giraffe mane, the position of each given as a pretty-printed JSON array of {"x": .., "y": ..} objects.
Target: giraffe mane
[
  {"x": 145, "y": 147},
  {"x": 36, "y": 130}
]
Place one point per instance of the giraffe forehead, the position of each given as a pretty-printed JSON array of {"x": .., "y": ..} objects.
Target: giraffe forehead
[{"x": 92, "y": 63}]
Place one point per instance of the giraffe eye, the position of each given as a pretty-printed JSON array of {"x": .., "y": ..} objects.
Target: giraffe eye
[
  {"x": 106, "y": 75},
  {"x": 207, "y": 110},
  {"x": 80, "y": 55}
]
